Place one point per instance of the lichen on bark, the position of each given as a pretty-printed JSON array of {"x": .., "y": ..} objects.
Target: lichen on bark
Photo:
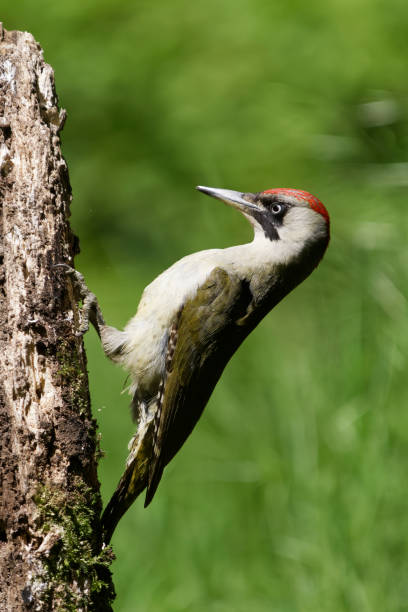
[{"x": 51, "y": 555}]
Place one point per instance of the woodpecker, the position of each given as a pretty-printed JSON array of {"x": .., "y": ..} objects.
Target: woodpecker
[{"x": 193, "y": 317}]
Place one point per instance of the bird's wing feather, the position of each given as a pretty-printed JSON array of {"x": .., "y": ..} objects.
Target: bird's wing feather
[{"x": 205, "y": 334}]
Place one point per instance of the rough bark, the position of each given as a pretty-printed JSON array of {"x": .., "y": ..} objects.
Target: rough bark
[{"x": 51, "y": 555}]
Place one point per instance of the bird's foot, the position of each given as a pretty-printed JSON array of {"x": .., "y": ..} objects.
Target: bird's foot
[{"x": 90, "y": 311}]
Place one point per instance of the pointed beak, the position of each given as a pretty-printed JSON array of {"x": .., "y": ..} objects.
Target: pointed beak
[{"x": 245, "y": 202}]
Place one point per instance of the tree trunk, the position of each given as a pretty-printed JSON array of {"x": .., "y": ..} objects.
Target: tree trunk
[{"x": 51, "y": 555}]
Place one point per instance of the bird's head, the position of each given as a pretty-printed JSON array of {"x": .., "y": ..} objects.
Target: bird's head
[{"x": 289, "y": 215}]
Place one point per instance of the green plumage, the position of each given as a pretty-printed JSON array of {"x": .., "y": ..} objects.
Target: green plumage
[{"x": 208, "y": 334}]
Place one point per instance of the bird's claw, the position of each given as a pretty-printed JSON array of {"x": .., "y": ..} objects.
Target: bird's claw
[
  {"x": 78, "y": 280},
  {"x": 90, "y": 308}
]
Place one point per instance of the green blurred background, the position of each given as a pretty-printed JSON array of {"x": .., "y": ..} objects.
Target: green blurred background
[{"x": 291, "y": 494}]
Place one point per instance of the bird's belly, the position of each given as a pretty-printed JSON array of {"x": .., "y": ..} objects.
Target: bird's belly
[
  {"x": 147, "y": 332},
  {"x": 145, "y": 354}
]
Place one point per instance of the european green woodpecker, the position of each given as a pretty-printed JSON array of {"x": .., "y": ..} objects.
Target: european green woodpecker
[{"x": 193, "y": 317}]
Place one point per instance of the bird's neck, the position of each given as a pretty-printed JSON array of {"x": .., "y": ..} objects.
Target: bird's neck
[
  {"x": 262, "y": 254},
  {"x": 266, "y": 263}
]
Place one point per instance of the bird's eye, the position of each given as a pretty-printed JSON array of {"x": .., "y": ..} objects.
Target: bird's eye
[{"x": 276, "y": 209}]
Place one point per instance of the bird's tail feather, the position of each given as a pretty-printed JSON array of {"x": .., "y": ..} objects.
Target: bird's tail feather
[
  {"x": 132, "y": 483},
  {"x": 134, "y": 479}
]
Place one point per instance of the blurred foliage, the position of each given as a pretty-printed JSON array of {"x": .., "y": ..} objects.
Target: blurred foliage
[{"x": 290, "y": 494}]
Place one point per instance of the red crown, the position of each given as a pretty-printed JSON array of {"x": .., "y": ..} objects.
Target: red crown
[{"x": 313, "y": 202}]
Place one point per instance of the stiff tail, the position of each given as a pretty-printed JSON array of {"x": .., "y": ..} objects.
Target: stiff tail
[
  {"x": 132, "y": 483},
  {"x": 134, "y": 479},
  {"x": 145, "y": 463}
]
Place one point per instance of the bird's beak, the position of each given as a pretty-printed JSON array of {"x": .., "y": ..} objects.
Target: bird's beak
[{"x": 245, "y": 202}]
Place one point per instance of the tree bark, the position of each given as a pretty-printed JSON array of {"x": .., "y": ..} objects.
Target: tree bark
[{"x": 51, "y": 555}]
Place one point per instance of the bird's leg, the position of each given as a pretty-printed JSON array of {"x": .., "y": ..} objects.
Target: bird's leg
[
  {"x": 112, "y": 339},
  {"x": 90, "y": 311}
]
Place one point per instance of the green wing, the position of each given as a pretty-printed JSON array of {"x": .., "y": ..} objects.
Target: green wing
[{"x": 207, "y": 332}]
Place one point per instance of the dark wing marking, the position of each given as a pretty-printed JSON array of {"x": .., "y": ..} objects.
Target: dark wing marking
[
  {"x": 156, "y": 469},
  {"x": 171, "y": 346},
  {"x": 201, "y": 342}
]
